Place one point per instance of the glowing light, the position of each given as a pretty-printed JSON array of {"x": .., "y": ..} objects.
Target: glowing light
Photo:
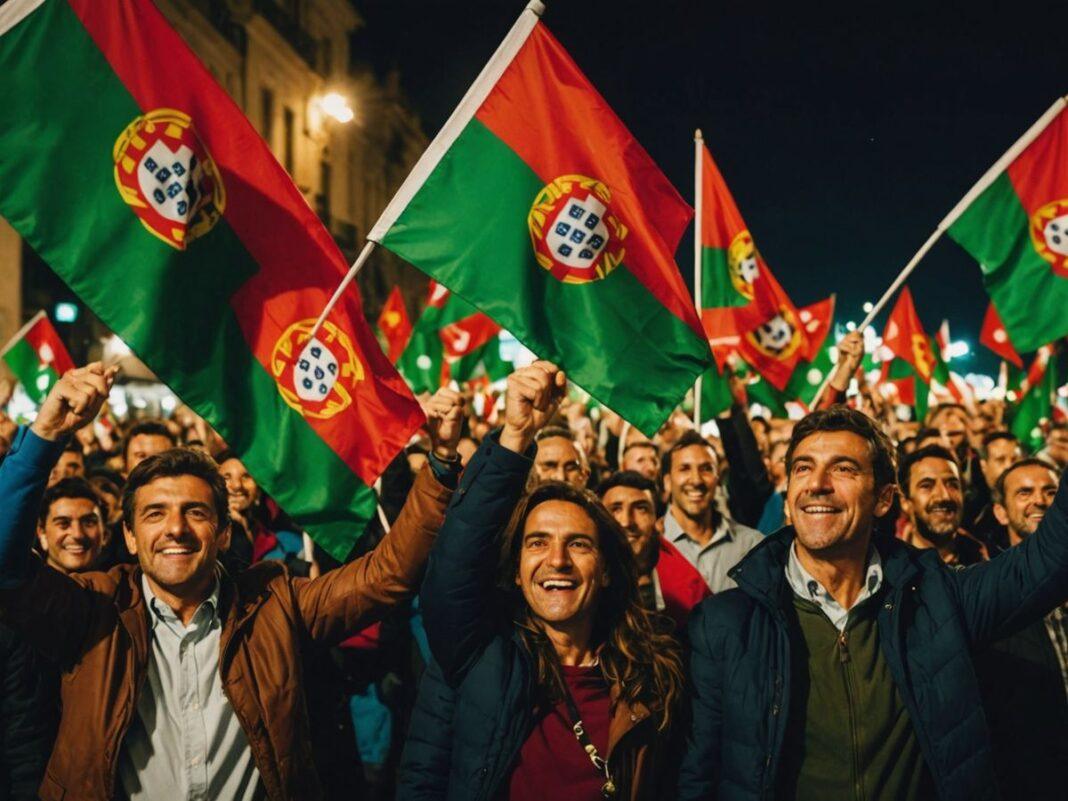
[
  {"x": 957, "y": 349},
  {"x": 337, "y": 107},
  {"x": 868, "y": 306},
  {"x": 66, "y": 312}
]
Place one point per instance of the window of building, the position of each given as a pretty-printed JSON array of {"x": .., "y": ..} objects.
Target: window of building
[
  {"x": 267, "y": 116},
  {"x": 289, "y": 129}
]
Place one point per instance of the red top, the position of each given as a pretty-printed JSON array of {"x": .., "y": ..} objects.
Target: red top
[{"x": 551, "y": 763}]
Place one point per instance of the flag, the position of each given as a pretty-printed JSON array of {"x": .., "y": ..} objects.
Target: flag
[
  {"x": 905, "y": 338},
  {"x": 133, "y": 174},
  {"x": 394, "y": 324},
  {"x": 37, "y": 356},
  {"x": 994, "y": 336},
  {"x": 743, "y": 308},
  {"x": 1017, "y": 229},
  {"x": 537, "y": 206},
  {"x": 1036, "y": 401}
]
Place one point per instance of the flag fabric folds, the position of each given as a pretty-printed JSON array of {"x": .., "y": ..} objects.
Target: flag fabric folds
[
  {"x": 37, "y": 356},
  {"x": 537, "y": 206},
  {"x": 189, "y": 241}
]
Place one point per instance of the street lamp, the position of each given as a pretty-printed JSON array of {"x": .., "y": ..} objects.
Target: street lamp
[{"x": 336, "y": 106}]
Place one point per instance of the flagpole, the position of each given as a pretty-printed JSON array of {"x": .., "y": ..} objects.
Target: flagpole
[
  {"x": 698, "y": 141},
  {"x": 21, "y": 332},
  {"x": 980, "y": 186},
  {"x": 457, "y": 121}
]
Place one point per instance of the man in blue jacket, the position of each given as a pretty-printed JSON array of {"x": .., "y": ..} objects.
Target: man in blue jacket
[{"x": 841, "y": 666}]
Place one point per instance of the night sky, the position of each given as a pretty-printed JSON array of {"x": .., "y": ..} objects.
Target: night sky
[{"x": 844, "y": 133}]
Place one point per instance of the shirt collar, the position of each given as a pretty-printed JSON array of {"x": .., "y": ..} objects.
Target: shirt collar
[
  {"x": 674, "y": 532},
  {"x": 160, "y": 612},
  {"x": 805, "y": 586}
]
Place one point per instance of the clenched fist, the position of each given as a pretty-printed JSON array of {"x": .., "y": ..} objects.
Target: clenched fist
[
  {"x": 444, "y": 420},
  {"x": 74, "y": 401},
  {"x": 534, "y": 395}
]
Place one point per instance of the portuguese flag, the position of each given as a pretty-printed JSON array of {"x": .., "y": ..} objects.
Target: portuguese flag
[
  {"x": 1036, "y": 400},
  {"x": 919, "y": 355},
  {"x": 537, "y": 206},
  {"x": 994, "y": 336},
  {"x": 146, "y": 189},
  {"x": 1015, "y": 224},
  {"x": 37, "y": 356},
  {"x": 394, "y": 325}
]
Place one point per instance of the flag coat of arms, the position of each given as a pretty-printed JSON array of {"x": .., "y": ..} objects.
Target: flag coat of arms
[
  {"x": 186, "y": 238},
  {"x": 37, "y": 356},
  {"x": 537, "y": 206},
  {"x": 1017, "y": 229}
]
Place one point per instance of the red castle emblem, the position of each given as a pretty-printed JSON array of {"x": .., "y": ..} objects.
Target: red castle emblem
[
  {"x": 576, "y": 236},
  {"x": 165, "y": 174}
]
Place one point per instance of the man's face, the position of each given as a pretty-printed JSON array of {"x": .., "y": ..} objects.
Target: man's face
[
  {"x": 644, "y": 460},
  {"x": 953, "y": 424},
  {"x": 935, "y": 499},
  {"x": 691, "y": 482},
  {"x": 561, "y": 568},
  {"x": 1057, "y": 444},
  {"x": 72, "y": 535},
  {"x": 175, "y": 534},
  {"x": 1029, "y": 492},
  {"x": 241, "y": 488},
  {"x": 635, "y": 511},
  {"x": 69, "y": 465},
  {"x": 559, "y": 460},
  {"x": 831, "y": 495},
  {"x": 142, "y": 446},
  {"x": 999, "y": 455}
]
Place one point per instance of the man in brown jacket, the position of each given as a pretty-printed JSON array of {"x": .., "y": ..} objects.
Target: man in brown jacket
[{"x": 180, "y": 681}]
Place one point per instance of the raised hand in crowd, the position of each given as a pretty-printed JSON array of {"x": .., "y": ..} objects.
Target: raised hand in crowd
[
  {"x": 444, "y": 412},
  {"x": 534, "y": 394},
  {"x": 850, "y": 354},
  {"x": 74, "y": 401}
]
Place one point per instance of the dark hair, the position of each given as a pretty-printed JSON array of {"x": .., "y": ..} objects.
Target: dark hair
[
  {"x": 687, "y": 440},
  {"x": 760, "y": 420},
  {"x": 996, "y": 436},
  {"x": 151, "y": 428},
  {"x": 998, "y": 490},
  {"x": 1059, "y": 425},
  {"x": 74, "y": 447},
  {"x": 926, "y": 432},
  {"x": 177, "y": 462},
  {"x": 225, "y": 456},
  {"x": 904, "y": 472},
  {"x": 626, "y": 478},
  {"x": 550, "y": 432},
  {"x": 941, "y": 408},
  {"x": 641, "y": 443},
  {"x": 68, "y": 488},
  {"x": 633, "y": 655}
]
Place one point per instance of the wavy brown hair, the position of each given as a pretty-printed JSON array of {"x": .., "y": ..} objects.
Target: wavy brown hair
[{"x": 643, "y": 662}]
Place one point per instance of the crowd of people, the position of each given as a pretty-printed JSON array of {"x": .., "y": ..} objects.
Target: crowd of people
[{"x": 848, "y": 605}]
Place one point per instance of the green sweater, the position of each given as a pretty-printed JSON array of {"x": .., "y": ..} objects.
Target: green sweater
[{"x": 848, "y": 734}]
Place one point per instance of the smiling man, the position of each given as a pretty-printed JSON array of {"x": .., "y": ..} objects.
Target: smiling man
[
  {"x": 70, "y": 529},
  {"x": 841, "y": 665},
  {"x": 707, "y": 538},
  {"x": 182, "y": 681}
]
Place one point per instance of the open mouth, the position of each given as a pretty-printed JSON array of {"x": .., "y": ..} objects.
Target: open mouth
[
  {"x": 820, "y": 509},
  {"x": 558, "y": 585},
  {"x": 178, "y": 550}
]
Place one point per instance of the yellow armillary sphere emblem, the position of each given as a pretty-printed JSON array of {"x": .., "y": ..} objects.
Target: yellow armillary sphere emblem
[
  {"x": 921, "y": 352},
  {"x": 316, "y": 376},
  {"x": 166, "y": 175},
  {"x": 742, "y": 263},
  {"x": 575, "y": 234},
  {"x": 1049, "y": 234},
  {"x": 779, "y": 337}
]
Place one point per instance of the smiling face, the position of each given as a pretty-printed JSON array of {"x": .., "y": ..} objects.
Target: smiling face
[
  {"x": 241, "y": 488},
  {"x": 831, "y": 495},
  {"x": 69, "y": 465},
  {"x": 635, "y": 511},
  {"x": 175, "y": 535},
  {"x": 72, "y": 534},
  {"x": 934, "y": 500},
  {"x": 692, "y": 480},
  {"x": 558, "y": 459},
  {"x": 561, "y": 568},
  {"x": 999, "y": 455},
  {"x": 1029, "y": 493}
]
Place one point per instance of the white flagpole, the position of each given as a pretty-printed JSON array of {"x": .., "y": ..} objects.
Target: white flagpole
[
  {"x": 457, "y": 121},
  {"x": 698, "y": 142},
  {"x": 980, "y": 186},
  {"x": 21, "y": 332}
]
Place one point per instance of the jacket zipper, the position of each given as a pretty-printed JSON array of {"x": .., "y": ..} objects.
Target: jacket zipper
[{"x": 851, "y": 704}]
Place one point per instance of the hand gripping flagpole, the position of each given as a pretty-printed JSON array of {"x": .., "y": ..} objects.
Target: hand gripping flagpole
[
  {"x": 457, "y": 121},
  {"x": 981, "y": 186},
  {"x": 698, "y": 141}
]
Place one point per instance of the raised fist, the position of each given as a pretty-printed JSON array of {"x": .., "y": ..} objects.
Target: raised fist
[
  {"x": 444, "y": 412},
  {"x": 534, "y": 395},
  {"x": 74, "y": 401}
]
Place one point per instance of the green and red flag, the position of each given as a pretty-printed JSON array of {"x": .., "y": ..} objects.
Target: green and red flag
[
  {"x": 394, "y": 325},
  {"x": 37, "y": 356},
  {"x": 142, "y": 184},
  {"x": 918, "y": 353},
  {"x": 1016, "y": 227},
  {"x": 537, "y": 206},
  {"x": 994, "y": 336},
  {"x": 1036, "y": 399},
  {"x": 743, "y": 308}
]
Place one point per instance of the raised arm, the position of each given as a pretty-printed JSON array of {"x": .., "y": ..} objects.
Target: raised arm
[
  {"x": 339, "y": 603},
  {"x": 1020, "y": 585},
  {"x": 459, "y": 590}
]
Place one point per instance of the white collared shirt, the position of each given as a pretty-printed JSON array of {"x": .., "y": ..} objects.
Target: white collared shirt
[{"x": 805, "y": 586}]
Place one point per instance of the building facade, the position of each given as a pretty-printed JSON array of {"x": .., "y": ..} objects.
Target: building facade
[{"x": 290, "y": 65}]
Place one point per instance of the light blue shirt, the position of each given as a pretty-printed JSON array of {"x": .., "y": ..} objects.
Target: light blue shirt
[
  {"x": 805, "y": 586},
  {"x": 185, "y": 741}
]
